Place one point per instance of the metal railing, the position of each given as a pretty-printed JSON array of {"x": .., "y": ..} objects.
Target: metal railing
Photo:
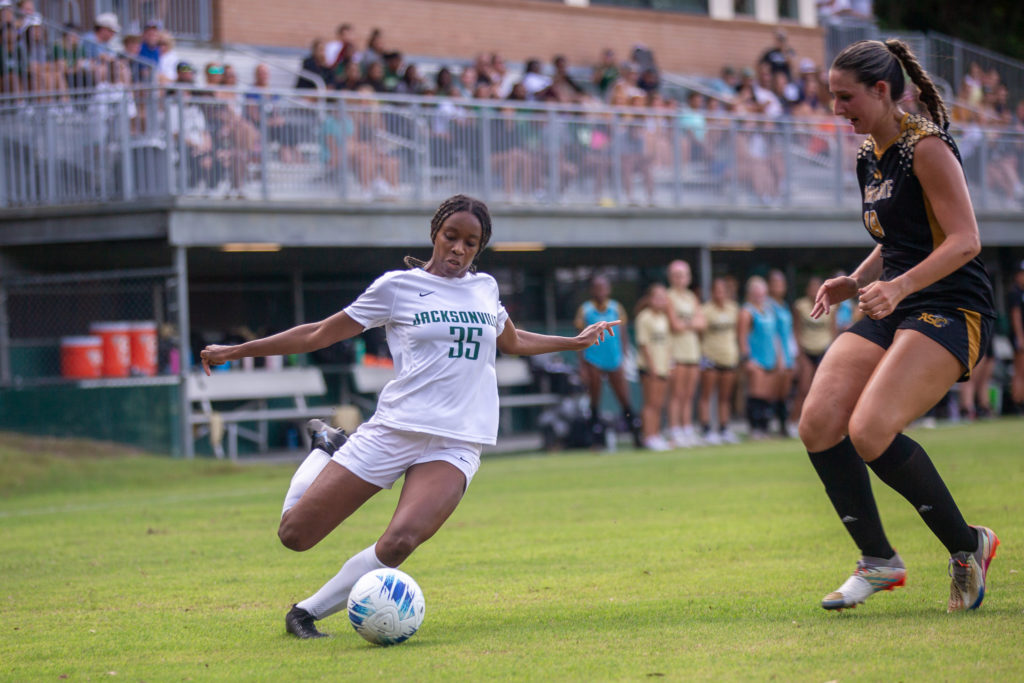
[{"x": 120, "y": 145}]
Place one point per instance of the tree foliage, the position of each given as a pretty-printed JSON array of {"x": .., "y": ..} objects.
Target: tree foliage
[{"x": 995, "y": 24}]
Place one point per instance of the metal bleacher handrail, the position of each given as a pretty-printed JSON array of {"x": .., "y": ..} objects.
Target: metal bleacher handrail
[{"x": 122, "y": 145}]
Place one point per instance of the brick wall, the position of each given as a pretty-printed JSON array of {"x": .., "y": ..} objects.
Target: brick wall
[{"x": 518, "y": 29}]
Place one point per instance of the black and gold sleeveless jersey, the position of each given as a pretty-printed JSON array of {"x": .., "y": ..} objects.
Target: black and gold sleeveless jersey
[{"x": 900, "y": 218}]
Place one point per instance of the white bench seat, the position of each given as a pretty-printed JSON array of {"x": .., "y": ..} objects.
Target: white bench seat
[{"x": 254, "y": 389}]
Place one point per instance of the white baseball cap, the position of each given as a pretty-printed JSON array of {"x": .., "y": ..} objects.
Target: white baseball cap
[{"x": 108, "y": 20}]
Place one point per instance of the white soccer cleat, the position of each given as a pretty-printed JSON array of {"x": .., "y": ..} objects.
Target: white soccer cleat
[
  {"x": 657, "y": 443},
  {"x": 729, "y": 436},
  {"x": 873, "y": 574},
  {"x": 969, "y": 570},
  {"x": 680, "y": 439}
]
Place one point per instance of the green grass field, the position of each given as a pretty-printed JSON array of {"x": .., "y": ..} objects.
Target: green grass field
[{"x": 704, "y": 564}]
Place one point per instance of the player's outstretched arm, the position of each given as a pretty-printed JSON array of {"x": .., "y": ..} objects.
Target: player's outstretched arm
[
  {"x": 299, "y": 339},
  {"x": 522, "y": 343}
]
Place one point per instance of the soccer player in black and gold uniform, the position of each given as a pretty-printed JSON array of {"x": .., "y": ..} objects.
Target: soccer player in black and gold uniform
[{"x": 928, "y": 307}]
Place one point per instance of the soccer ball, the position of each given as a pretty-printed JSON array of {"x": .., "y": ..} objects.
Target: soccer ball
[{"x": 386, "y": 606}]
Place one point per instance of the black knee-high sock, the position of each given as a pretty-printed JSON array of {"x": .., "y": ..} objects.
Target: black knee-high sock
[
  {"x": 906, "y": 468},
  {"x": 782, "y": 412},
  {"x": 848, "y": 486}
]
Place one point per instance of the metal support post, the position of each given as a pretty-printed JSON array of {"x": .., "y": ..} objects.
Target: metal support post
[{"x": 184, "y": 334}]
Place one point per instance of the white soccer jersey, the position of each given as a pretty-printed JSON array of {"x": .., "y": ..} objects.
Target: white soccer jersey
[{"x": 442, "y": 334}]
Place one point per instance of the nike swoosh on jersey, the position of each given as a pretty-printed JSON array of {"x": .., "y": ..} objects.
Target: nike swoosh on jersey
[{"x": 427, "y": 293}]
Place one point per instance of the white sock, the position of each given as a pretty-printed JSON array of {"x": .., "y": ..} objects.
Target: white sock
[
  {"x": 308, "y": 471},
  {"x": 333, "y": 597}
]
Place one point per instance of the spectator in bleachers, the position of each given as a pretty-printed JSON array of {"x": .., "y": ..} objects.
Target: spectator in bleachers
[
  {"x": 110, "y": 94},
  {"x": 41, "y": 68},
  {"x": 316, "y": 63},
  {"x": 411, "y": 82},
  {"x": 533, "y": 79},
  {"x": 467, "y": 81},
  {"x": 972, "y": 88},
  {"x": 7, "y": 15},
  {"x": 131, "y": 47},
  {"x": 501, "y": 78},
  {"x": 70, "y": 57},
  {"x": 374, "y": 77},
  {"x": 235, "y": 140},
  {"x": 356, "y": 132},
  {"x": 333, "y": 48},
  {"x": 98, "y": 44},
  {"x": 393, "y": 71},
  {"x": 562, "y": 85},
  {"x": 213, "y": 74},
  {"x": 787, "y": 92},
  {"x": 648, "y": 81},
  {"x": 512, "y": 163},
  {"x": 12, "y": 60},
  {"x": 189, "y": 124},
  {"x": 605, "y": 72},
  {"x": 149, "y": 51},
  {"x": 260, "y": 103},
  {"x": 374, "y": 50},
  {"x": 779, "y": 57},
  {"x": 634, "y": 153},
  {"x": 351, "y": 76},
  {"x": 693, "y": 126},
  {"x": 483, "y": 68},
  {"x": 767, "y": 101},
  {"x": 27, "y": 14},
  {"x": 445, "y": 83},
  {"x": 167, "y": 68}
]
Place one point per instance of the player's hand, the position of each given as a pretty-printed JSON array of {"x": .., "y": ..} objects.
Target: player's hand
[
  {"x": 833, "y": 291},
  {"x": 879, "y": 299},
  {"x": 595, "y": 334},
  {"x": 214, "y": 354}
]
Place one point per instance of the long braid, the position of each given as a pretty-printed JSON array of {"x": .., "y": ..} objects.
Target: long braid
[
  {"x": 457, "y": 204},
  {"x": 929, "y": 93}
]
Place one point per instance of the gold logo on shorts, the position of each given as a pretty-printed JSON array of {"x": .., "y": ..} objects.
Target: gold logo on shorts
[{"x": 933, "y": 320}]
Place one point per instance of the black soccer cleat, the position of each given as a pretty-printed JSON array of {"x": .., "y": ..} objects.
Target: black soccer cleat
[
  {"x": 299, "y": 623},
  {"x": 325, "y": 437}
]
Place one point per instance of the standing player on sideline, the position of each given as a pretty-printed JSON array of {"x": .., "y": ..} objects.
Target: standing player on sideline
[
  {"x": 443, "y": 322},
  {"x": 928, "y": 302},
  {"x": 606, "y": 360},
  {"x": 685, "y": 354}
]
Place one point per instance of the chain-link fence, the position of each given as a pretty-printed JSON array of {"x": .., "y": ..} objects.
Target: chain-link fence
[{"x": 113, "y": 324}]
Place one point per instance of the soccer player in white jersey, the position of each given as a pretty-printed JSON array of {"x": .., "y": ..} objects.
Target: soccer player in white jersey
[{"x": 444, "y": 322}]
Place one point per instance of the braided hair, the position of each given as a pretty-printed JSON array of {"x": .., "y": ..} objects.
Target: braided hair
[
  {"x": 872, "y": 61},
  {"x": 453, "y": 205}
]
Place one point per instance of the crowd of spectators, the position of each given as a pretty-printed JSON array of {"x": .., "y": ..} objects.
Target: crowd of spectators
[{"x": 657, "y": 125}]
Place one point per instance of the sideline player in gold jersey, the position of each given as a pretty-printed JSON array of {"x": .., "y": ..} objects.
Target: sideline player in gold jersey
[{"x": 928, "y": 306}]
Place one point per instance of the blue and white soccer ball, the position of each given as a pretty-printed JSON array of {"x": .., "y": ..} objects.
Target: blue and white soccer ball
[{"x": 386, "y": 606}]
